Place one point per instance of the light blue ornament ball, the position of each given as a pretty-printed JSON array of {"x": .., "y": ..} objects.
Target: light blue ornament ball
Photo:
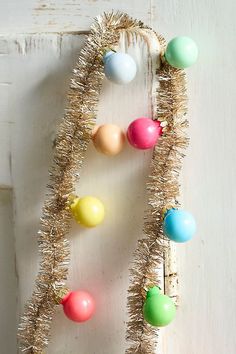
[
  {"x": 181, "y": 52},
  {"x": 119, "y": 68},
  {"x": 179, "y": 225}
]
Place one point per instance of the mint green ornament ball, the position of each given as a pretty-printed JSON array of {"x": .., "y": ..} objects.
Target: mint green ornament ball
[
  {"x": 158, "y": 310},
  {"x": 181, "y": 52}
]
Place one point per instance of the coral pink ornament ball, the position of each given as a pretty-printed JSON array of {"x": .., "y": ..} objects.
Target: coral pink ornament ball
[
  {"x": 143, "y": 133},
  {"x": 78, "y": 306}
]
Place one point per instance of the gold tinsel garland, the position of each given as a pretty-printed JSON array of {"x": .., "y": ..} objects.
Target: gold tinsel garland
[
  {"x": 163, "y": 190},
  {"x": 72, "y": 139}
]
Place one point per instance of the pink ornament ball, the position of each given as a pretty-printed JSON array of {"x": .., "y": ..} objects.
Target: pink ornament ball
[
  {"x": 143, "y": 133},
  {"x": 78, "y": 306}
]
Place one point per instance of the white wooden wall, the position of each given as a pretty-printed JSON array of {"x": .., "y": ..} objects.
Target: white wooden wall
[{"x": 39, "y": 43}]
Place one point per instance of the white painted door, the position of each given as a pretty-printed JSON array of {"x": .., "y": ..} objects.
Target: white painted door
[{"x": 39, "y": 44}]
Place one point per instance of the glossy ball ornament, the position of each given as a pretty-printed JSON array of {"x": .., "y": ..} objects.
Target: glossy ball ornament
[
  {"x": 181, "y": 52},
  {"x": 109, "y": 139},
  {"x": 119, "y": 68},
  {"x": 88, "y": 211},
  {"x": 179, "y": 225},
  {"x": 78, "y": 306},
  {"x": 143, "y": 133},
  {"x": 158, "y": 310}
]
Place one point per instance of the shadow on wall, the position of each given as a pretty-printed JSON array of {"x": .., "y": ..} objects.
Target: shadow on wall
[{"x": 8, "y": 275}]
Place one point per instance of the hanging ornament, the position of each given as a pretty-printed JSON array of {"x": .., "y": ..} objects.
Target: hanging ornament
[
  {"x": 109, "y": 139},
  {"x": 119, "y": 68},
  {"x": 143, "y": 133},
  {"x": 88, "y": 211},
  {"x": 158, "y": 310},
  {"x": 78, "y": 306},
  {"x": 179, "y": 225},
  {"x": 181, "y": 52}
]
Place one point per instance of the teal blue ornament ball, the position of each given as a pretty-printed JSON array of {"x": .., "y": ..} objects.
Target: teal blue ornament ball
[
  {"x": 179, "y": 225},
  {"x": 181, "y": 52},
  {"x": 120, "y": 68}
]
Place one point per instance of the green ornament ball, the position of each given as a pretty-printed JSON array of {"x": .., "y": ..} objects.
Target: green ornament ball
[
  {"x": 158, "y": 310},
  {"x": 181, "y": 52}
]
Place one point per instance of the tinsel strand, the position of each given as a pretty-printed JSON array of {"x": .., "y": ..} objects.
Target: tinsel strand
[
  {"x": 71, "y": 143},
  {"x": 162, "y": 190}
]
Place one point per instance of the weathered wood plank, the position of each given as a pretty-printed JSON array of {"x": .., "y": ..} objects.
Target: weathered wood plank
[
  {"x": 33, "y": 16},
  {"x": 207, "y": 291}
]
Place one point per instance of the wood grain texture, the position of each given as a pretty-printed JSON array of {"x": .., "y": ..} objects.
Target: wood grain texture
[
  {"x": 34, "y": 73},
  {"x": 33, "y": 16}
]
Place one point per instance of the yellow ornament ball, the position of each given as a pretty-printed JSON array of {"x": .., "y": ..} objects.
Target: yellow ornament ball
[
  {"x": 108, "y": 139},
  {"x": 88, "y": 211}
]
